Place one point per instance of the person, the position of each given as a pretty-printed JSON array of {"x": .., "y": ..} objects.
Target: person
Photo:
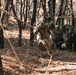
[
  {"x": 51, "y": 23},
  {"x": 74, "y": 40},
  {"x": 44, "y": 37},
  {"x": 59, "y": 40},
  {"x": 70, "y": 38}
]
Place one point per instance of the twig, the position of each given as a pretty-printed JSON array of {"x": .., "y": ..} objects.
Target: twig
[{"x": 48, "y": 64}]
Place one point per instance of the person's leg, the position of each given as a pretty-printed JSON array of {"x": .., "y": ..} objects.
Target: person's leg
[
  {"x": 42, "y": 46},
  {"x": 70, "y": 46},
  {"x": 50, "y": 45},
  {"x": 74, "y": 46}
]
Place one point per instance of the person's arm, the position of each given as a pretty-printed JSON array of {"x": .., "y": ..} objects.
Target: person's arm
[{"x": 35, "y": 32}]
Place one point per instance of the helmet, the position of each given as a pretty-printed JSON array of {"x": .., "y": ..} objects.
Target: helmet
[
  {"x": 42, "y": 23},
  {"x": 56, "y": 26}
]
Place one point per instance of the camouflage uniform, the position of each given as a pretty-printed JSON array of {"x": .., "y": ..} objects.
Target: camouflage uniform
[
  {"x": 59, "y": 40},
  {"x": 69, "y": 40},
  {"x": 74, "y": 40},
  {"x": 44, "y": 37}
]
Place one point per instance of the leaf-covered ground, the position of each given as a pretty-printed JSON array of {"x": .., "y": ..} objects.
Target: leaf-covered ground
[{"x": 31, "y": 60}]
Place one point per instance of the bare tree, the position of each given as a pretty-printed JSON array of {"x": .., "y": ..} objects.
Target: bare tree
[
  {"x": 1, "y": 68},
  {"x": 33, "y": 20},
  {"x": 6, "y": 8},
  {"x": 25, "y": 12},
  {"x": 60, "y": 9},
  {"x": 73, "y": 21}
]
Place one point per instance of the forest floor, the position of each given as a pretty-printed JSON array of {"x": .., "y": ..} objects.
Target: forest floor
[{"x": 31, "y": 60}]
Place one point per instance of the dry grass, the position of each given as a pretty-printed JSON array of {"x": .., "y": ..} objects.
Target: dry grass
[{"x": 35, "y": 61}]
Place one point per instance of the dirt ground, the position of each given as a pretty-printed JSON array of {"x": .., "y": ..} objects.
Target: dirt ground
[{"x": 31, "y": 60}]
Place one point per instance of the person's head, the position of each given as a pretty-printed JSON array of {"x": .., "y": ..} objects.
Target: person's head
[
  {"x": 49, "y": 19},
  {"x": 51, "y": 25},
  {"x": 57, "y": 27},
  {"x": 42, "y": 24},
  {"x": 71, "y": 28}
]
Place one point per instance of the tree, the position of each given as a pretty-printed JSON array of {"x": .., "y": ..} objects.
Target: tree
[
  {"x": 33, "y": 20},
  {"x": 25, "y": 12},
  {"x": 6, "y": 8},
  {"x": 73, "y": 21},
  {"x": 1, "y": 68},
  {"x": 60, "y": 10},
  {"x": 44, "y": 9}
]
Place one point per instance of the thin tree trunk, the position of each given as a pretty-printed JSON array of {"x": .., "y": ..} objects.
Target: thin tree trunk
[
  {"x": 54, "y": 3},
  {"x": 25, "y": 19},
  {"x": 0, "y": 6},
  {"x": 20, "y": 27},
  {"x": 44, "y": 10},
  {"x": 33, "y": 20},
  {"x": 73, "y": 22},
  {"x": 50, "y": 4},
  {"x": 16, "y": 5},
  {"x": 6, "y": 8},
  {"x": 60, "y": 10},
  {"x": 19, "y": 24},
  {"x": 25, "y": 12},
  {"x": 1, "y": 68}
]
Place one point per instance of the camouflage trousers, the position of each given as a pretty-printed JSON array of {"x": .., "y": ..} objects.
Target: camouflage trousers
[{"x": 45, "y": 44}]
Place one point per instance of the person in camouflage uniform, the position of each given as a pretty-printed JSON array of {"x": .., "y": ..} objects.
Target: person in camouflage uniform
[
  {"x": 70, "y": 38},
  {"x": 74, "y": 40},
  {"x": 44, "y": 37},
  {"x": 59, "y": 40}
]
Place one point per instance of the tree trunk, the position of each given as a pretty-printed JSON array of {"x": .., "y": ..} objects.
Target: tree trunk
[
  {"x": 25, "y": 12},
  {"x": 54, "y": 3},
  {"x": 60, "y": 10},
  {"x": 0, "y": 6},
  {"x": 50, "y": 4},
  {"x": 73, "y": 21},
  {"x": 1, "y": 68},
  {"x": 6, "y": 8},
  {"x": 44, "y": 8},
  {"x": 25, "y": 18},
  {"x": 20, "y": 27},
  {"x": 1, "y": 33},
  {"x": 33, "y": 20},
  {"x": 19, "y": 23}
]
